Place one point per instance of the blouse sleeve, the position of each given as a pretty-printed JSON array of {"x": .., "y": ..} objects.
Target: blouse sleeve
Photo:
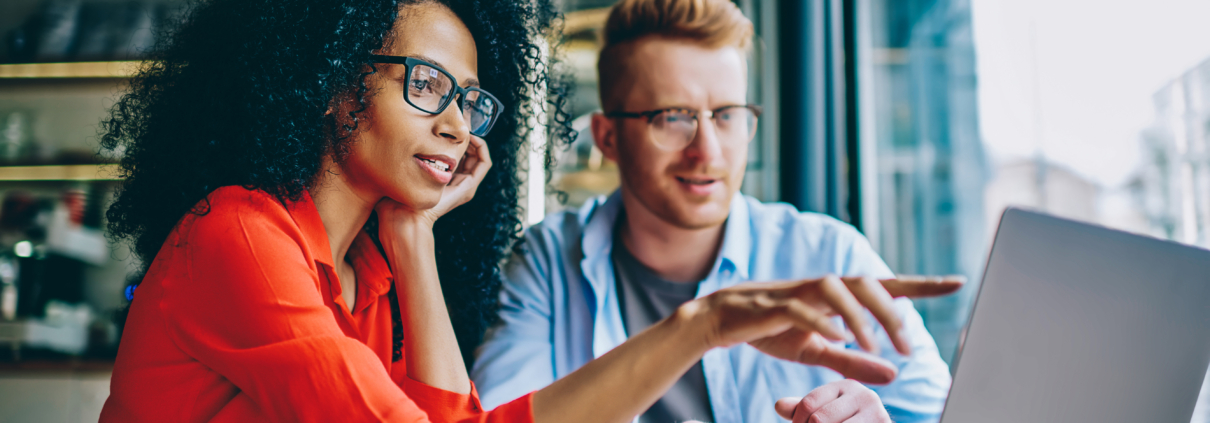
[{"x": 250, "y": 309}]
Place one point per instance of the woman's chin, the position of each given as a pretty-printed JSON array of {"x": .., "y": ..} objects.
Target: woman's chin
[{"x": 419, "y": 203}]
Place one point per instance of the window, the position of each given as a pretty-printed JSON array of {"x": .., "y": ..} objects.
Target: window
[{"x": 1097, "y": 111}]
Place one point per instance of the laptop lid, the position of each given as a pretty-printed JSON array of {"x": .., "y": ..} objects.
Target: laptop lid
[{"x": 1079, "y": 323}]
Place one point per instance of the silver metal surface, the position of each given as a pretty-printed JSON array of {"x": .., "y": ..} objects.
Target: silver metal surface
[{"x": 1078, "y": 323}]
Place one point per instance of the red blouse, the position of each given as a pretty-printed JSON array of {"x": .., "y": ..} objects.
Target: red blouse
[{"x": 240, "y": 318}]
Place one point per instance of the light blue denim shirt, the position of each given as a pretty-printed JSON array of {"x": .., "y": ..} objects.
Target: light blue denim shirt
[{"x": 559, "y": 310}]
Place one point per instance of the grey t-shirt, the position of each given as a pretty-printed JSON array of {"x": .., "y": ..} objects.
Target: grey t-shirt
[{"x": 646, "y": 298}]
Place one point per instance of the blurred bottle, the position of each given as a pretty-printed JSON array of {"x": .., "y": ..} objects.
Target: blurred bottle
[
  {"x": 52, "y": 30},
  {"x": 20, "y": 47},
  {"x": 95, "y": 32},
  {"x": 16, "y": 138},
  {"x": 134, "y": 23},
  {"x": 8, "y": 288}
]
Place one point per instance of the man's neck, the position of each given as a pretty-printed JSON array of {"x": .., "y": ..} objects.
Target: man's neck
[{"x": 675, "y": 253}]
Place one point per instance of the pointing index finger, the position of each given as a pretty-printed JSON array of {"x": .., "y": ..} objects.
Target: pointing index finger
[{"x": 915, "y": 286}]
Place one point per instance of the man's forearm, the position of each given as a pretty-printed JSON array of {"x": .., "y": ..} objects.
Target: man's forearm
[{"x": 629, "y": 378}]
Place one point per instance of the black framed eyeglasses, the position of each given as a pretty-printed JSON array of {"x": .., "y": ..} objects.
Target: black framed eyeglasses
[
  {"x": 675, "y": 128},
  {"x": 431, "y": 89}
]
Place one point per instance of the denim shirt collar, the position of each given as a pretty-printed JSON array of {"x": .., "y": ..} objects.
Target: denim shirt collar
[{"x": 600, "y": 216}]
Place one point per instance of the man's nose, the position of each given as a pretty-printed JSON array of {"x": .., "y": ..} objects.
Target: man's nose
[{"x": 706, "y": 146}]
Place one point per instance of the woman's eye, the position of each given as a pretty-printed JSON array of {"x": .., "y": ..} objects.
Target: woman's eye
[{"x": 419, "y": 84}]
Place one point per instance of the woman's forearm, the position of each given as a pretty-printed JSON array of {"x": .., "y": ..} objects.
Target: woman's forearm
[
  {"x": 429, "y": 343},
  {"x": 627, "y": 380}
]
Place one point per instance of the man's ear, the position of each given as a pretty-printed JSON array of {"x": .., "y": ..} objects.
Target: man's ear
[{"x": 605, "y": 135}]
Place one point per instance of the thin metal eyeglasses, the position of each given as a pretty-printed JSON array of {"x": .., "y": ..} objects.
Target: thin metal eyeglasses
[
  {"x": 431, "y": 89},
  {"x": 675, "y": 128}
]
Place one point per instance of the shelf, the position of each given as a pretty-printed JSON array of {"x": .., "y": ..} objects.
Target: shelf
[
  {"x": 585, "y": 20},
  {"x": 602, "y": 181},
  {"x": 67, "y": 365},
  {"x": 121, "y": 69},
  {"x": 105, "y": 172}
]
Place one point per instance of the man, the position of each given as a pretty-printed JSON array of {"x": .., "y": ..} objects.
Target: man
[{"x": 673, "y": 88}]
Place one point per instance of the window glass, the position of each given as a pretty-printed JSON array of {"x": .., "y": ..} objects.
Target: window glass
[{"x": 1093, "y": 110}]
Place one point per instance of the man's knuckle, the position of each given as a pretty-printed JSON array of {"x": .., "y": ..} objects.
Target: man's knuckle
[
  {"x": 831, "y": 282},
  {"x": 812, "y": 404},
  {"x": 870, "y": 281},
  {"x": 819, "y": 417}
]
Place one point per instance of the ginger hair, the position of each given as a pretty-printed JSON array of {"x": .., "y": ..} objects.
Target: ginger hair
[{"x": 709, "y": 23}]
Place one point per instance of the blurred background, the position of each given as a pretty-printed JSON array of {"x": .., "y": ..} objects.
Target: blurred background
[{"x": 917, "y": 121}]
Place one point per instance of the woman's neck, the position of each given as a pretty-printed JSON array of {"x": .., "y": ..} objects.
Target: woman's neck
[{"x": 343, "y": 211}]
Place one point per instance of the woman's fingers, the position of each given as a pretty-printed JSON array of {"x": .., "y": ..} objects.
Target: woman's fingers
[
  {"x": 876, "y": 299},
  {"x": 471, "y": 171},
  {"x": 482, "y": 158},
  {"x": 470, "y": 159},
  {"x": 923, "y": 286}
]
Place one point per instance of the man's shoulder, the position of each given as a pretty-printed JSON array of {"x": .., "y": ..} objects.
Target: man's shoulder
[
  {"x": 777, "y": 219},
  {"x": 560, "y": 227}
]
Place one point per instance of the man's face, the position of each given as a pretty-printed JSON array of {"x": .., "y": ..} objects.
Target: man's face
[{"x": 689, "y": 187}]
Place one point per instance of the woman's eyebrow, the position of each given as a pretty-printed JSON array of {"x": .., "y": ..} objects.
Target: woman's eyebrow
[{"x": 470, "y": 82}]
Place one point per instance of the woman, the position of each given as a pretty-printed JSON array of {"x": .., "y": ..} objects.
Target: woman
[{"x": 299, "y": 175}]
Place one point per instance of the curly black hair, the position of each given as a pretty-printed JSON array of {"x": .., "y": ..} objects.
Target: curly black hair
[{"x": 236, "y": 94}]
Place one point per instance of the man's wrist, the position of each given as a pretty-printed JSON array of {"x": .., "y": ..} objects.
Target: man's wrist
[{"x": 692, "y": 327}]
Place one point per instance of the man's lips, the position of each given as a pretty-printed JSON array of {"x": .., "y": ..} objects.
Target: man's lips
[
  {"x": 700, "y": 185},
  {"x": 697, "y": 180}
]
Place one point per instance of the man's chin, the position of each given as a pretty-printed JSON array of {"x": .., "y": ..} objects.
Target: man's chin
[{"x": 698, "y": 216}]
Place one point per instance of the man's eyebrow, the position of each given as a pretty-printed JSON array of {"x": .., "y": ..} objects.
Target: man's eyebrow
[{"x": 470, "y": 82}]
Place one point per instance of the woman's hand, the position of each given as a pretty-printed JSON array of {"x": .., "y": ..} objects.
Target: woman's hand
[
  {"x": 431, "y": 348},
  {"x": 792, "y": 320},
  {"x": 470, "y": 172}
]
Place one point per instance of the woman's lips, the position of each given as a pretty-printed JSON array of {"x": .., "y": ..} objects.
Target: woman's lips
[{"x": 438, "y": 167}]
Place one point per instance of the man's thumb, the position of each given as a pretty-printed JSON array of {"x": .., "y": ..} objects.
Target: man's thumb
[{"x": 785, "y": 407}]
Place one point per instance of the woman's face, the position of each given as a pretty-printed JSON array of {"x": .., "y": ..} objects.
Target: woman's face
[{"x": 400, "y": 152}]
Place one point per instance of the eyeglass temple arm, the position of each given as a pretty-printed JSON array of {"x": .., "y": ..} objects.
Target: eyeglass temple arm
[
  {"x": 398, "y": 60},
  {"x": 756, "y": 110},
  {"x": 632, "y": 115}
]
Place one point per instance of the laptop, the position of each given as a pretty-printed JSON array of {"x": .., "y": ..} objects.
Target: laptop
[{"x": 1078, "y": 323}]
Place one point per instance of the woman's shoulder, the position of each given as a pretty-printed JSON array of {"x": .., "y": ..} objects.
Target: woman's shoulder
[
  {"x": 234, "y": 197},
  {"x": 237, "y": 211}
]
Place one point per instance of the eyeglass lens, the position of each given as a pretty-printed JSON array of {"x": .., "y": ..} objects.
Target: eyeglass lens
[
  {"x": 430, "y": 90},
  {"x": 478, "y": 110},
  {"x": 675, "y": 129}
]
